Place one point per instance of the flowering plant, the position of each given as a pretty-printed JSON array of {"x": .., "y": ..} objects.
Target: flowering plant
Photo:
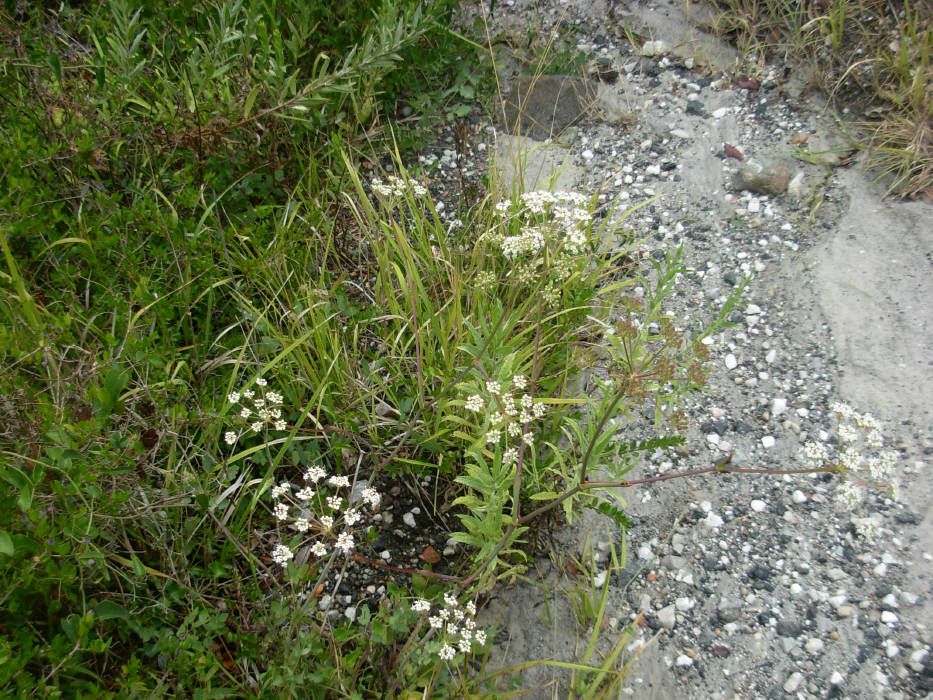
[{"x": 859, "y": 455}]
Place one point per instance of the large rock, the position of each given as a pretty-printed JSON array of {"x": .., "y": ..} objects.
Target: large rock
[
  {"x": 768, "y": 178},
  {"x": 541, "y": 107}
]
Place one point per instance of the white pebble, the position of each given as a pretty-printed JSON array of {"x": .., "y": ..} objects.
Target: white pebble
[
  {"x": 793, "y": 682},
  {"x": 758, "y": 505},
  {"x": 889, "y": 618},
  {"x": 798, "y": 496},
  {"x": 814, "y": 646},
  {"x": 684, "y": 661},
  {"x": 778, "y": 406},
  {"x": 409, "y": 519},
  {"x": 767, "y": 441},
  {"x": 731, "y": 362}
]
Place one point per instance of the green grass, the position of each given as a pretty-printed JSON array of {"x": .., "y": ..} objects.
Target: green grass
[
  {"x": 184, "y": 209},
  {"x": 873, "y": 56}
]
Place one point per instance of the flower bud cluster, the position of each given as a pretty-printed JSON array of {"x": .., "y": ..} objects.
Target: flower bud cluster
[
  {"x": 258, "y": 407},
  {"x": 859, "y": 454},
  {"x": 455, "y": 626},
  {"x": 319, "y": 509}
]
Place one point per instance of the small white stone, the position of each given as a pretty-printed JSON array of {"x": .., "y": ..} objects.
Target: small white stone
[
  {"x": 409, "y": 519},
  {"x": 712, "y": 520},
  {"x": 889, "y": 618},
  {"x": 778, "y": 406},
  {"x": 653, "y": 48},
  {"x": 712, "y": 439},
  {"x": 731, "y": 362},
  {"x": 680, "y": 133},
  {"x": 918, "y": 658},
  {"x": 837, "y": 678},
  {"x": 758, "y": 505},
  {"x": 793, "y": 682},
  {"x": 667, "y": 616},
  {"x": 587, "y": 154},
  {"x": 814, "y": 646},
  {"x": 350, "y": 614},
  {"x": 767, "y": 441},
  {"x": 753, "y": 310},
  {"x": 798, "y": 496},
  {"x": 771, "y": 356},
  {"x": 890, "y": 601},
  {"x": 386, "y": 554},
  {"x": 600, "y": 578},
  {"x": 720, "y": 113},
  {"x": 653, "y": 170},
  {"x": 684, "y": 604},
  {"x": 684, "y": 661}
]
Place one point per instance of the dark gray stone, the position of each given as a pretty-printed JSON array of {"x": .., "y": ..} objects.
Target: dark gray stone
[{"x": 542, "y": 107}]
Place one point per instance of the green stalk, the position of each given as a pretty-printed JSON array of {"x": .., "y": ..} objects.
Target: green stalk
[{"x": 30, "y": 310}]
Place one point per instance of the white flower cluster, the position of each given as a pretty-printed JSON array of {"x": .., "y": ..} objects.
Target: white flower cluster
[
  {"x": 511, "y": 415},
  {"x": 257, "y": 407},
  {"x": 860, "y": 455},
  {"x": 397, "y": 187},
  {"x": 316, "y": 508},
  {"x": 560, "y": 218},
  {"x": 455, "y": 626}
]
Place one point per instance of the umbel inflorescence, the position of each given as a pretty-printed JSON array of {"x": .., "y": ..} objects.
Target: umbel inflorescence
[
  {"x": 509, "y": 415},
  {"x": 257, "y": 408},
  {"x": 543, "y": 235},
  {"x": 453, "y": 624},
  {"x": 318, "y": 511},
  {"x": 859, "y": 454}
]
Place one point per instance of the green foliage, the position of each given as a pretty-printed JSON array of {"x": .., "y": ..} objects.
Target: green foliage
[{"x": 183, "y": 213}]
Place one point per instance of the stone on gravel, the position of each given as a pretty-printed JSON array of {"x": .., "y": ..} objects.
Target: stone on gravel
[
  {"x": 667, "y": 616},
  {"x": 793, "y": 682},
  {"x": 652, "y": 48},
  {"x": 761, "y": 179},
  {"x": 542, "y": 107}
]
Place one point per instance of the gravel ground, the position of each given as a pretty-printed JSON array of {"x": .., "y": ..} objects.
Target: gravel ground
[{"x": 748, "y": 586}]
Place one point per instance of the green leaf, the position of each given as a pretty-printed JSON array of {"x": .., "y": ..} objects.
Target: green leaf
[
  {"x": 6, "y": 543},
  {"x": 467, "y": 92},
  {"x": 108, "y": 610}
]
